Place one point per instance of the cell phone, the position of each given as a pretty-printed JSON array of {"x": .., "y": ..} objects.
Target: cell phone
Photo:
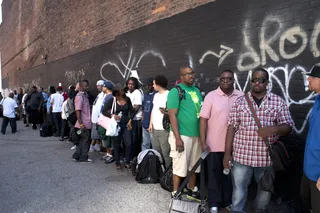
[{"x": 161, "y": 108}]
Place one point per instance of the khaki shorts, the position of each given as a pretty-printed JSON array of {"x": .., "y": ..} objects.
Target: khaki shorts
[{"x": 184, "y": 161}]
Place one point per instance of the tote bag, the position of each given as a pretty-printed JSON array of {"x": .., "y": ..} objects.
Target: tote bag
[{"x": 104, "y": 121}]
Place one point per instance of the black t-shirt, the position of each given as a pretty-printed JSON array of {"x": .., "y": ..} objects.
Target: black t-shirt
[
  {"x": 257, "y": 100},
  {"x": 126, "y": 110},
  {"x": 35, "y": 99}
]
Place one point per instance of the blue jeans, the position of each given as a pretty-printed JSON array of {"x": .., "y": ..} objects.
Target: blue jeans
[
  {"x": 241, "y": 178},
  {"x": 146, "y": 139}
]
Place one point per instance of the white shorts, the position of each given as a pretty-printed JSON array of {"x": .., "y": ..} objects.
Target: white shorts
[{"x": 184, "y": 161}]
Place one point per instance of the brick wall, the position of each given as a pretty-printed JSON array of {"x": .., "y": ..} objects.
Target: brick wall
[{"x": 60, "y": 28}]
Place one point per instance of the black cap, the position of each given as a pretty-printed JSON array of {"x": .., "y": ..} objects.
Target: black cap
[{"x": 315, "y": 71}]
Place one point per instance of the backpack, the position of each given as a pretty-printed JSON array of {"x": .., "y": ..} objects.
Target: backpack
[
  {"x": 149, "y": 170},
  {"x": 166, "y": 180},
  {"x": 46, "y": 130},
  {"x": 72, "y": 117},
  {"x": 166, "y": 120}
]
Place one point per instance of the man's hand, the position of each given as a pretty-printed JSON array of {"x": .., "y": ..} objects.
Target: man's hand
[
  {"x": 179, "y": 145},
  {"x": 163, "y": 111},
  {"x": 116, "y": 117},
  {"x": 318, "y": 184},
  {"x": 129, "y": 125},
  {"x": 227, "y": 159},
  {"x": 267, "y": 131},
  {"x": 204, "y": 146},
  {"x": 150, "y": 128},
  {"x": 82, "y": 127}
]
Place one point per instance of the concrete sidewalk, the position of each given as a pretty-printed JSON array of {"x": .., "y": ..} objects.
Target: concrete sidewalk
[{"x": 37, "y": 175}]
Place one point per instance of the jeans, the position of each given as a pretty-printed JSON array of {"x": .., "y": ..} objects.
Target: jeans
[
  {"x": 160, "y": 143},
  {"x": 5, "y": 122},
  {"x": 146, "y": 139},
  {"x": 34, "y": 117},
  {"x": 116, "y": 142},
  {"x": 136, "y": 135},
  {"x": 83, "y": 146},
  {"x": 57, "y": 122},
  {"x": 241, "y": 178}
]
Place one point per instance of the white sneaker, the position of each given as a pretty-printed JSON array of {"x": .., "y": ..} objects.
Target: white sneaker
[
  {"x": 74, "y": 147},
  {"x": 97, "y": 147},
  {"x": 91, "y": 148},
  {"x": 214, "y": 210}
]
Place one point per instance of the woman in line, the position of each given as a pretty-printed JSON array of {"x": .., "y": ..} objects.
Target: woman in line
[{"x": 123, "y": 114}]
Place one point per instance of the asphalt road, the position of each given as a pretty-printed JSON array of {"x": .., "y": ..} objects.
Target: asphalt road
[{"x": 37, "y": 175}]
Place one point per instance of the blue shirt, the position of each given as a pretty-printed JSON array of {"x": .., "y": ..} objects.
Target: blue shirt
[
  {"x": 106, "y": 99},
  {"x": 48, "y": 103},
  {"x": 312, "y": 150},
  {"x": 147, "y": 106},
  {"x": 45, "y": 96}
]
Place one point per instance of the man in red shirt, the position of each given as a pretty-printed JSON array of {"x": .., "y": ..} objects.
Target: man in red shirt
[{"x": 244, "y": 141}]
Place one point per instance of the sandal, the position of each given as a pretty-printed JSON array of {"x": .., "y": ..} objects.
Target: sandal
[
  {"x": 119, "y": 169},
  {"x": 128, "y": 166}
]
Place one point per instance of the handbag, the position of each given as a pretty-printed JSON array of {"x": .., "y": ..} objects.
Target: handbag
[
  {"x": 277, "y": 151},
  {"x": 166, "y": 180},
  {"x": 113, "y": 128},
  {"x": 190, "y": 206},
  {"x": 104, "y": 121}
]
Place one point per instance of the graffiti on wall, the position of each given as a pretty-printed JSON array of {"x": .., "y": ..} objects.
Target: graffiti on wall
[{"x": 73, "y": 76}]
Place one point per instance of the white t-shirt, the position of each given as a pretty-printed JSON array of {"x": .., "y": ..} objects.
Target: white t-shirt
[
  {"x": 9, "y": 106},
  {"x": 96, "y": 108},
  {"x": 159, "y": 100},
  {"x": 56, "y": 102},
  {"x": 136, "y": 98}
]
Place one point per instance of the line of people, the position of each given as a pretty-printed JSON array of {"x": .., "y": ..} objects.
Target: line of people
[{"x": 221, "y": 122}]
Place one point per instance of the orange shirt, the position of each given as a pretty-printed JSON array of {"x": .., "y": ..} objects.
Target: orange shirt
[{"x": 216, "y": 108}]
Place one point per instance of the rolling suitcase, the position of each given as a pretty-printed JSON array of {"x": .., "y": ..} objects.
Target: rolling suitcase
[{"x": 190, "y": 206}]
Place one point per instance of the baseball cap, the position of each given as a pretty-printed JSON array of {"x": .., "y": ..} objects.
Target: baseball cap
[
  {"x": 315, "y": 71},
  {"x": 100, "y": 83},
  {"x": 108, "y": 85}
]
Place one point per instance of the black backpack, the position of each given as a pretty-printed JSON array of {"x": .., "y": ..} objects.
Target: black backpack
[
  {"x": 150, "y": 169},
  {"x": 166, "y": 120},
  {"x": 166, "y": 180},
  {"x": 72, "y": 117},
  {"x": 46, "y": 130}
]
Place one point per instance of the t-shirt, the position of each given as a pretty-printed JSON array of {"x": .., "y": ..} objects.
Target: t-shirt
[
  {"x": 312, "y": 150},
  {"x": 96, "y": 108},
  {"x": 188, "y": 110},
  {"x": 81, "y": 103},
  {"x": 56, "y": 102},
  {"x": 216, "y": 108},
  {"x": 159, "y": 101},
  {"x": 136, "y": 98},
  {"x": 9, "y": 106},
  {"x": 35, "y": 100},
  {"x": 147, "y": 108}
]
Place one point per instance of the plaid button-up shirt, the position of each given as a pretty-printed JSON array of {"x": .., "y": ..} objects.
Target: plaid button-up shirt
[{"x": 248, "y": 148}]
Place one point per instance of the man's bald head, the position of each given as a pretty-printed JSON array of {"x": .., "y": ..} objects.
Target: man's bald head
[{"x": 11, "y": 95}]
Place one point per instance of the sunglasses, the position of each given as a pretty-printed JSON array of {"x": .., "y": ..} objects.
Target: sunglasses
[
  {"x": 226, "y": 79},
  {"x": 189, "y": 74},
  {"x": 260, "y": 80}
]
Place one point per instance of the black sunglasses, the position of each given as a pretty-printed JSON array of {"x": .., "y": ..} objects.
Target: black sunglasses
[{"x": 260, "y": 80}]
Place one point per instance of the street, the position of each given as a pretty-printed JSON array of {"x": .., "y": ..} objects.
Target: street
[{"x": 38, "y": 176}]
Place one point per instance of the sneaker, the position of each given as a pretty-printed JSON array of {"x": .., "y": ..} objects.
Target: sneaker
[
  {"x": 110, "y": 159},
  {"x": 214, "y": 210},
  {"x": 97, "y": 147},
  {"x": 87, "y": 161},
  {"x": 194, "y": 194},
  {"x": 74, "y": 147},
  {"x": 173, "y": 193},
  {"x": 128, "y": 166},
  {"x": 91, "y": 148}
]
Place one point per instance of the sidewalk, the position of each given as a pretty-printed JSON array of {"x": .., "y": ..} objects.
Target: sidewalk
[{"x": 38, "y": 175}]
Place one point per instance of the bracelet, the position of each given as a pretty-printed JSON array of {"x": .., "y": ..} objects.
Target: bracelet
[{"x": 81, "y": 125}]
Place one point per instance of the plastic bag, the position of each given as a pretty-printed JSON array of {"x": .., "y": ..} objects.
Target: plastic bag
[{"x": 113, "y": 129}]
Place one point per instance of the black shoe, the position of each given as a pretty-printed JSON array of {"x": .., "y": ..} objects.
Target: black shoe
[
  {"x": 194, "y": 195},
  {"x": 87, "y": 161},
  {"x": 14, "y": 132},
  {"x": 27, "y": 125},
  {"x": 3, "y": 133},
  {"x": 34, "y": 128},
  {"x": 109, "y": 160},
  {"x": 60, "y": 139}
]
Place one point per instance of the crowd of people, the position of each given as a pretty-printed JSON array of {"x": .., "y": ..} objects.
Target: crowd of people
[{"x": 222, "y": 123}]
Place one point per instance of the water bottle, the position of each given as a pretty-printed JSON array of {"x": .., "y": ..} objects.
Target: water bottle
[
  {"x": 226, "y": 171},
  {"x": 79, "y": 131},
  {"x": 120, "y": 115}
]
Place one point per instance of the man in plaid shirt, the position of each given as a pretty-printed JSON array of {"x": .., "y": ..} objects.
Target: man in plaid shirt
[{"x": 244, "y": 143}]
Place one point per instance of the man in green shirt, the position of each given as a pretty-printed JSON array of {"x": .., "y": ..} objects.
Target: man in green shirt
[{"x": 184, "y": 135}]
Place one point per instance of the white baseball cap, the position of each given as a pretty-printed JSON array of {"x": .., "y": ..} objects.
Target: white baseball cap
[{"x": 100, "y": 83}]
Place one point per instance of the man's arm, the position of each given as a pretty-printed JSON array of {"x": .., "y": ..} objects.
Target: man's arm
[
  {"x": 203, "y": 132},
  {"x": 229, "y": 147},
  {"x": 282, "y": 130}
]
